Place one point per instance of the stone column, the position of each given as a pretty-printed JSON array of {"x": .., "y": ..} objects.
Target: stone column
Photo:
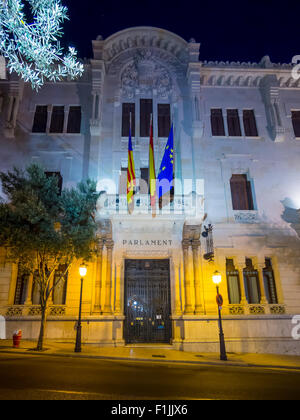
[
  {"x": 118, "y": 309},
  {"x": 107, "y": 310},
  {"x": 29, "y": 290},
  {"x": 260, "y": 265},
  {"x": 240, "y": 267},
  {"x": 187, "y": 278},
  {"x": 97, "y": 304},
  {"x": 196, "y": 264}
]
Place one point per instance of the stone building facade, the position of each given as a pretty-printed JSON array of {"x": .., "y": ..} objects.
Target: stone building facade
[{"x": 237, "y": 154}]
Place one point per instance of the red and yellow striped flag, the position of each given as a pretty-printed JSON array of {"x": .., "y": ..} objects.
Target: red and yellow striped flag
[
  {"x": 131, "y": 180},
  {"x": 152, "y": 175}
]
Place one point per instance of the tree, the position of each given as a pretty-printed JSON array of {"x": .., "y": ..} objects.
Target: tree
[
  {"x": 32, "y": 49},
  {"x": 43, "y": 229}
]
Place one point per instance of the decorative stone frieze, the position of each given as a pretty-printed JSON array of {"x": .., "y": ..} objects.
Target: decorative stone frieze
[
  {"x": 246, "y": 216},
  {"x": 145, "y": 37},
  {"x": 236, "y": 309},
  {"x": 14, "y": 311},
  {"x": 57, "y": 311},
  {"x": 277, "y": 309},
  {"x": 256, "y": 310},
  {"x": 34, "y": 310}
]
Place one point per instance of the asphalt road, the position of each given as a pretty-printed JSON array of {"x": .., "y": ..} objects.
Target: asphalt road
[{"x": 46, "y": 377}]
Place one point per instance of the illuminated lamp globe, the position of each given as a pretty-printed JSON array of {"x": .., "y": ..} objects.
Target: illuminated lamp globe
[
  {"x": 82, "y": 271},
  {"x": 217, "y": 278}
]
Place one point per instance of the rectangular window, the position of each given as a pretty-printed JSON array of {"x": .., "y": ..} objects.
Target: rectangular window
[
  {"x": 59, "y": 179},
  {"x": 251, "y": 283},
  {"x": 296, "y": 122},
  {"x": 163, "y": 120},
  {"x": 217, "y": 122},
  {"x": 233, "y": 123},
  {"x": 269, "y": 282},
  {"x": 60, "y": 285},
  {"x": 144, "y": 189},
  {"x": 74, "y": 119},
  {"x": 127, "y": 109},
  {"x": 57, "y": 119},
  {"x": 146, "y": 110},
  {"x": 35, "y": 293},
  {"x": 249, "y": 123},
  {"x": 241, "y": 192},
  {"x": 123, "y": 181},
  {"x": 21, "y": 289},
  {"x": 40, "y": 119},
  {"x": 234, "y": 294}
]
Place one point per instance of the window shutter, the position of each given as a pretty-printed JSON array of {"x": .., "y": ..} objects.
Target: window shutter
[
  {"x": 40, "y": 119},
  {"x": 74, "y": 119},
  {"x": 296, "y": 122},
  {"x": 233, "y": 122},
  {"x": 269, "y": 281},
  {"x": 128, "y": 108},
  {"x": 217, "y": 122},
  {"x": 21, "y": 289},
  {"x": 239, "y": 192},
  {"x": 57, "y": 119},
  {"x": 249, "y": 123},
  {"x": 164, "y": 120},
  {"x": 145, "y": 114}
]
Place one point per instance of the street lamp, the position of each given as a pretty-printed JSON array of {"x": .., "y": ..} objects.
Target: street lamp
[
  {"x": 217, "y": 278},
  {"x": 82, "y": 272}
]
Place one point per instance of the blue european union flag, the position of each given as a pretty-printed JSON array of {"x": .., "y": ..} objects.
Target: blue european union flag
[{"x": 166, "y": 171}]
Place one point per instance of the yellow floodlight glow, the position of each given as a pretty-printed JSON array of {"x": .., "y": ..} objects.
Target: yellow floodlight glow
[
  {"x": 217, "y": 278},
  {"x": 82, "y": 271}
]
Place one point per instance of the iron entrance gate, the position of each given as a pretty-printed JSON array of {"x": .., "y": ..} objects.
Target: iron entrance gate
[{"x": 147, "y": 301}]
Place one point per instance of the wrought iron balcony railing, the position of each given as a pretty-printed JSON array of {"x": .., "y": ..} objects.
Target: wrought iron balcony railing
[{"x": 191, "y": 205}]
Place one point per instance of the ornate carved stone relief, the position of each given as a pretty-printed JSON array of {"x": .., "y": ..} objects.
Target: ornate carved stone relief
[{"x": 146, "y": 75}]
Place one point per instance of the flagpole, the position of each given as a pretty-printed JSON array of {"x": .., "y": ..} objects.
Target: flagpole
[{"x": 152, "y": 175}]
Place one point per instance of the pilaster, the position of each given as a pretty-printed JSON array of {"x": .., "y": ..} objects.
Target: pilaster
[
  {"x": 107, "y": 310},
  {"x": 188, "y": 275},
  {"x": 197, "y": 277},
  {"x": 97, "y": 304}
]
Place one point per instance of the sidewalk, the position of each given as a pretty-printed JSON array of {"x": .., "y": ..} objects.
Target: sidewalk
[{"x": 152, "y": 353}]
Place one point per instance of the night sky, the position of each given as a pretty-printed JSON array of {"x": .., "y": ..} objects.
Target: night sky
[{"x": 227, "y": 30}]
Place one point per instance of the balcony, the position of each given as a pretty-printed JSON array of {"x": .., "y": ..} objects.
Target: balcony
[{"x": 191, "y": 205}]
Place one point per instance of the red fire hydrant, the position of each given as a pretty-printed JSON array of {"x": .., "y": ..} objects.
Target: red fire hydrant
[{"x": 17, "y": 335}]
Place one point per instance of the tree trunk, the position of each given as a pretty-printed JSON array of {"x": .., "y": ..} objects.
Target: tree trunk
[{"x": 42, "y": 329}]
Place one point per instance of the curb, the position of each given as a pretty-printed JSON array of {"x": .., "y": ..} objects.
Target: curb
[{"x": 178, "y": 362}]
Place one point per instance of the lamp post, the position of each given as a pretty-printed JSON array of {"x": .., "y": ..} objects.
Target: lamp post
[
  {"x": 82, "y": 272},
  {"x": 217, "y": 278}
]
